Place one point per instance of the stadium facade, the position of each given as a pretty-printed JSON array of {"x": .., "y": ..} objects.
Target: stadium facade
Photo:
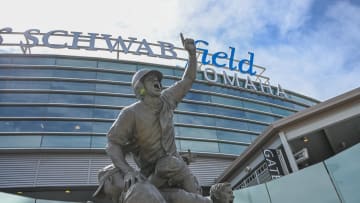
[{"x": 55, "y": 111}]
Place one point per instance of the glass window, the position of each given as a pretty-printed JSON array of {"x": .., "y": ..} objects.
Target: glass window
[
  {"x": 254, "y": 194},
  {"x": 233, "y": 136},
  {"x": 101, "y": 127},
  {"x": 282, "y": 112},
  {"x": 29, "y": 141},
  {"x": 74, "y": 74},
  {"x": 6, "y": 60},
  {"x": 21, "y": 126},
  {"x": 98, "y": 141},
  {"x": 308, "y": 185},
  {"x": 68, "y": 126},
  {"x": 106, "y": 113},
  {"x": 70, "y": 112},
  {"x": 114, "y": 76},
  {"x": 344, "y": 169},
  {"x": 80, "y": 86},
  {"x": 256, "y": 106},
  {"x": 184, "y": 106},
  {"x": 256, "y": 127},
  {"x": 25, "y": 84},
  {"x": 197, "y": 146},
  {"x": 22, "y": 111},
  {"x": 163, "y": 70},
  {"x": 33, "y": 60},
  {"x": 26, "y": 72},
  {"x": 26, "y": 98},
  {"x": 198, "y": 97},
  {"x": 71, "y": 98},
  {"x": 61, "y": 141},
  {"x": 125, "y": 89},
  {"x": 260, "y": 117},
  {"x": 195, "y": 132},
  {"x": 231, "y": 148},
  {"x": 118, "y": 66},
  {"x": 114, "y": 100},
  {"x": 226, "y": 101},
  {"x": 195, "y": 120},
  {"x": 76, "y": 62},
  {"x": 224, "y": 123}
]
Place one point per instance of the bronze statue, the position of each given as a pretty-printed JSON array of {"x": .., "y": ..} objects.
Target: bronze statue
[{"x": 146, "y": 130}]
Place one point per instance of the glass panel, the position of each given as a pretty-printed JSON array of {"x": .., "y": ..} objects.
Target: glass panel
[
  {"x": 106, "y": 113},
  {"x": 70, "y": 112},
  {"x": 282, "y": 112},
  {"x": 260, "y": 117},
  {"x": 197, "y": 146},
  {"x": 76, "y": 63},
  {"x": 254, "y": 194},
  {"x": 68, "y": 126},
  {"x": 25, "y": 84},
  {"x": 344, "y": 169},
  {"x": 98, "y": 141},
  {"x": 256, "y": 106},
  {"x": 5, "y": 60},
  {"x": 226, "y": 101},
  {"x": 22, "y": 111},
  {"x": 231, "y": 148},
  {"x": 101, "y": 127},
  {"x": 21, "y": 126},
  {"x": 27, "y": 98},
  {"x": 71, "y": 98},
  {"x": 211, "y": 110},
  {"x": 195, "y": 133},
  {"x": 15, "y": 198},
  {"x": 80, "y": 86},
  {"x": 198, "y": 97},
  {"x": 256, "y": 127},
  {"x": 114, "y": 101},
  {"x": 29, "y": 141},
  {"x": 195, "y": 120},
  {"x": 224, "y": 123},
  {"x": 26, "y": 72},
  {"x": 125, "y": 89},
  {"x": 233, "y": 136},
  {"x": 33, "y": 61},
  {"x": 74, "y": 74},
  {"x": 66, "y": 141},
  {"x": 114, "y": 76},
  {"x": 118, "y": 66},
  {"x": 308, "y": 185}
]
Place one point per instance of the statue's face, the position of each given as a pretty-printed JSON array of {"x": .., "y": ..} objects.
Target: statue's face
[{"x": 152, "y": 85}]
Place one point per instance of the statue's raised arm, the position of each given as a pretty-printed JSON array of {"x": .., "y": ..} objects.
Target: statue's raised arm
[{"x": 180, "y": 88}]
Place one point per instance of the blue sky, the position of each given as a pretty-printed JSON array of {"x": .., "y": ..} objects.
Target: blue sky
[{"x": 307, "y": 46}]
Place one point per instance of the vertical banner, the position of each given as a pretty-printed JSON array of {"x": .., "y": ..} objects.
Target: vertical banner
[{"x": 273, "y": 163}]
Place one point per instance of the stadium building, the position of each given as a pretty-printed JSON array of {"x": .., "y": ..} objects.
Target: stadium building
[{"x": 56, "y": 108}]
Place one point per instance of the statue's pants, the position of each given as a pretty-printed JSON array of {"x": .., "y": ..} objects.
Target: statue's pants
[{"x": 172, "y": 172}]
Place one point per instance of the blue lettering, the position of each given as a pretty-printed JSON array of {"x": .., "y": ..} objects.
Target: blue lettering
[
  {"x": 231, "y": 60},
  {"x": 204, "y": 51},
  {"x": 221, "y": 55},
  {"x": 250, "y": 62}
]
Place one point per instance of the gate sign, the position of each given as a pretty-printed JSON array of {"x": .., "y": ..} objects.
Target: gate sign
[{"x": 273, "y": 163}]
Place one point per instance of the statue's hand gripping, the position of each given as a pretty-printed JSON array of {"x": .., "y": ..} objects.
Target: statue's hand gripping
[{"x": 189, "y": 44}]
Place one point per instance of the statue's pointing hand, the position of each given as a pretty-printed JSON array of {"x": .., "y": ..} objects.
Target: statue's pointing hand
[{"x": 189, "y": 44}]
